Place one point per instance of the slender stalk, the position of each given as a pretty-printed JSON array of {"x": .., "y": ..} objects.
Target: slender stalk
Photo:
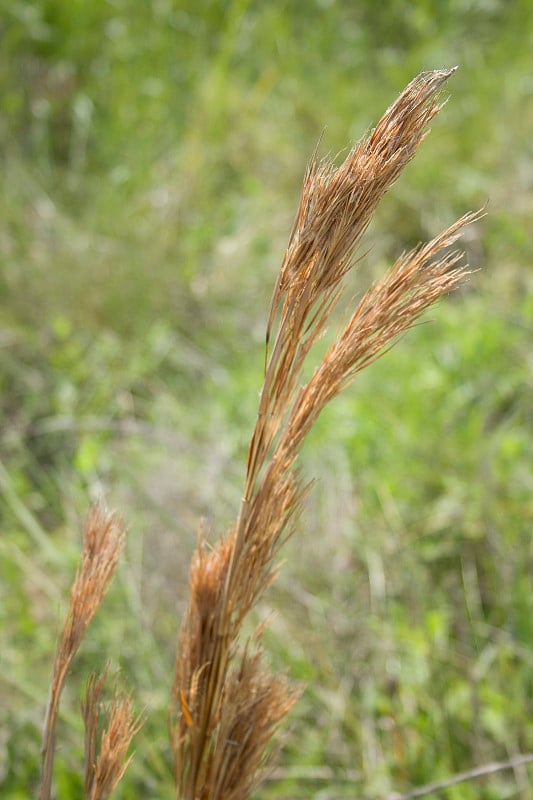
[{"x": 461, "y": 777}]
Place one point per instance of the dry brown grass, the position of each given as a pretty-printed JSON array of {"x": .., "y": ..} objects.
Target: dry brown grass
[
  {"x": 226, "y": 704},
  {"x": 106, "y": 758},
  {"x": 103, "y": 542}
]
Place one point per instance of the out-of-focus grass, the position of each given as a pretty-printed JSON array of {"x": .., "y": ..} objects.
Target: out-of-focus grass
[{"x": 151, "y": 161}]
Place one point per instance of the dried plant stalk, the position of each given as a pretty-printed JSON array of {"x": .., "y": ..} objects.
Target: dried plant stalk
[
  {"x": 105, "y": 766},
  {"x": 225, "y": 704},
  {"x": 103, "y": 542}
]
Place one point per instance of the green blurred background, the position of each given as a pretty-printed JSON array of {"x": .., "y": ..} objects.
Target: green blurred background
[{"x": 152, "y": 154}]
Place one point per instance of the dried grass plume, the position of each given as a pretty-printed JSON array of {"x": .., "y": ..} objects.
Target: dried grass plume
[
  {"x": 103, "y": 542},
  {"x": 226, "y": 704}
]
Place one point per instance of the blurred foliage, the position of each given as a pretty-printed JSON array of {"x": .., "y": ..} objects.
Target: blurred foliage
[{"x": 151, "y": 161}]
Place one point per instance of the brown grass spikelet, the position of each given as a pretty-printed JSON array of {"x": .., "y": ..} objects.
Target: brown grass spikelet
[
  {"x": 257, "y": 702},
  {"x": 105, "y": 765},
  {"x": 103, "y": 542},
  {"x": 225, "y": 706},
  {"x": 387, "y": 309}
]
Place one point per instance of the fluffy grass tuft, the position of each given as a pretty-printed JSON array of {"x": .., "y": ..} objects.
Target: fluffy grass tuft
[{"x": 105, "y": 765}]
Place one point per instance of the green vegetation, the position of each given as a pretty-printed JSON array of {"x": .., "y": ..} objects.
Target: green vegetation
[{"x": 152, "y": 155}]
